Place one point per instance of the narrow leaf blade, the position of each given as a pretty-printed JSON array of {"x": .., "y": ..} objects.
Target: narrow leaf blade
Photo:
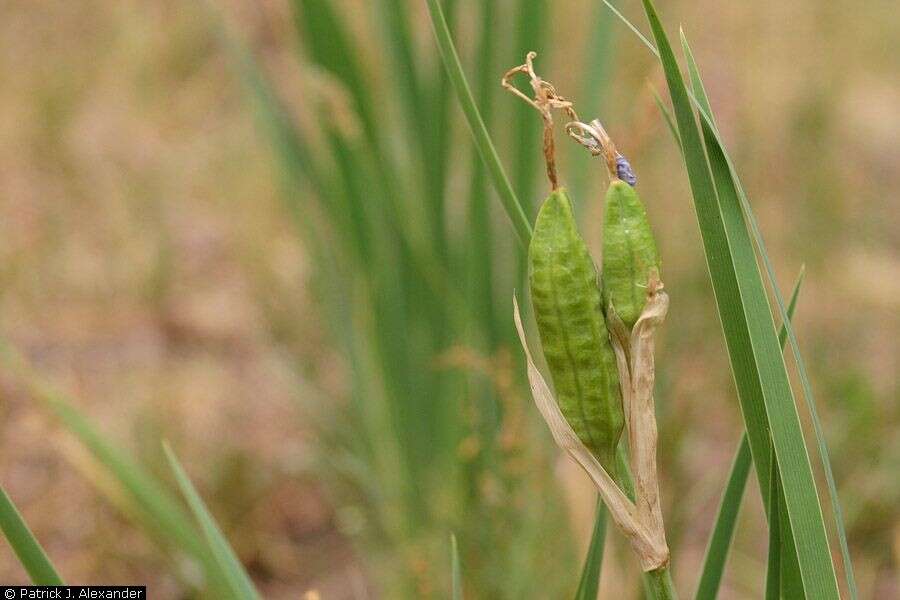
[
  {"x": 238, "y": 581},
  {"x": 821, "y": 445},
  {"x": 723, "y": 530},
  {"x": 733, "y": 269},
  {"x": 483, "y": 143},
  {"x": 455, "y": 570},
  {"x": 531, "y": 27},
  {"x": 667, "y": 116},
  {"x": 28, "y": 550},
  {"x": 149, "y": 496},
  {"x": 589, "y": 584},
  {"x": 773, "y": 569}
]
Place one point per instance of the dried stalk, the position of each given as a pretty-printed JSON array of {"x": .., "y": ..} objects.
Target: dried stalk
[{"x": 634, "y": 355}]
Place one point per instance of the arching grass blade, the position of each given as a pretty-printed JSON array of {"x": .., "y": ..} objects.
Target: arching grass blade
[
  {"x": 821, "y": 445},
  {"x": 508, "y": 198},
  {"x": 25, "y": 545},
  {"x": 750, "y": 331},
  {"x": 589, "y": 583},
  {"x": 154, "y": 506},
  {"x": 236, "y": 577},
  {"x": 531, "y": 21},
  {"x": 719, "y": 545},
  {"x": 773, "y": 569},
  {"x": 706, "y": 118}
]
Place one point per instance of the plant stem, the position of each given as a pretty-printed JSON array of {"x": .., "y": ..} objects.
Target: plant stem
[
  {"x": 508, "y": 198},
  {"x": 659, "y": 584}
]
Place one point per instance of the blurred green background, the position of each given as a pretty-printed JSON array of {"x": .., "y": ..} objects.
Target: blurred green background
[{"x": 226, "y": 224}]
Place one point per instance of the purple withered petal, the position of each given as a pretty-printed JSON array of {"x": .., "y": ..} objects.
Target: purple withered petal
[{"x": 624, "y": 170}]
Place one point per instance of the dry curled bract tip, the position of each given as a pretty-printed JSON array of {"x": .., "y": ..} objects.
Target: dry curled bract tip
[
  {"x": 546, "y": 99},
  {"x": 594, "y": 137},
  {"x": 591, "y": 135}
]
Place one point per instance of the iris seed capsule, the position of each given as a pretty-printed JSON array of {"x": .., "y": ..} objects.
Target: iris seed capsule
[
  {"x": 629, "y": 253},
  {"x": 567, "y": 308}
]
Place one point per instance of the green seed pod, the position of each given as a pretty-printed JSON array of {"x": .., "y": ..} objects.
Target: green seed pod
[
  {"x": 567, "y": 308},
  {"x": 629, "y": 253}
]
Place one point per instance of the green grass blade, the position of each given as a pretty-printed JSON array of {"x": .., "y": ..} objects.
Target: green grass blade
[
  {"x": 589, "y": 584},
  {"x": 399, "y": 41},
  {"x": 667, "y": 116},
  {"x": 441, "y": 125},
  {"x": 328, "y": 43},
  {"x": 421, "y": 130},
  {"x": 701, "y": 98},
  {"x": 236, "y": 577},
  {"x": 742, "y": 302},
  {"x": 810, "y": 509},
  {"x": 25, "y": 545},
  {"x": 597, "y": 70},
  {"x": 149, "y": 495},
  {"x": 821, "y": 445},
  {"x": 719, "y": 545},
  {"x": 792, "y": 306},
  {"x": 800, "y": 495},
  {"x": 455, "y": 570},
  {"x": 631, "y": 26},
  {"x": 706, "y": 116},
  {"x": 144, "y": 489},
  {"x": 480, "y": 236},
  {"x": 773, "y": 569},
  {"x": 530, "y": 24},
  {"x": 330, "y": 46},
  {"x": 724, "y": 282},
  {"x": 791, "y": 582},
  {"x": 726, "y": 519},
  {"x": 508, "y": 198},
  {"x": 789, "y": 573},
  {"x": 599, "y": 53}
]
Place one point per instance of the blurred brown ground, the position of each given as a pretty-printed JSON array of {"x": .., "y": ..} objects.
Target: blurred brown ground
[{"x": 148, "y": 268}]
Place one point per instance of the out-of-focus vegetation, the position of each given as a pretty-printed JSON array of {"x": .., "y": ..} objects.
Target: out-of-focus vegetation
[{"x": 324, "y": 331}]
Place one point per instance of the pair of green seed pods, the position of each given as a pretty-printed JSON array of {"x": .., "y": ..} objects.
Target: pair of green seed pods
[{"x": 571, "y": 304}]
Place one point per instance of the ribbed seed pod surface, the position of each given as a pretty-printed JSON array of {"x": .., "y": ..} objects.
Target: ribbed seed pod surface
[
  {"x": 567, "y": 307},
  {"x": 629, "y": 252}
]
